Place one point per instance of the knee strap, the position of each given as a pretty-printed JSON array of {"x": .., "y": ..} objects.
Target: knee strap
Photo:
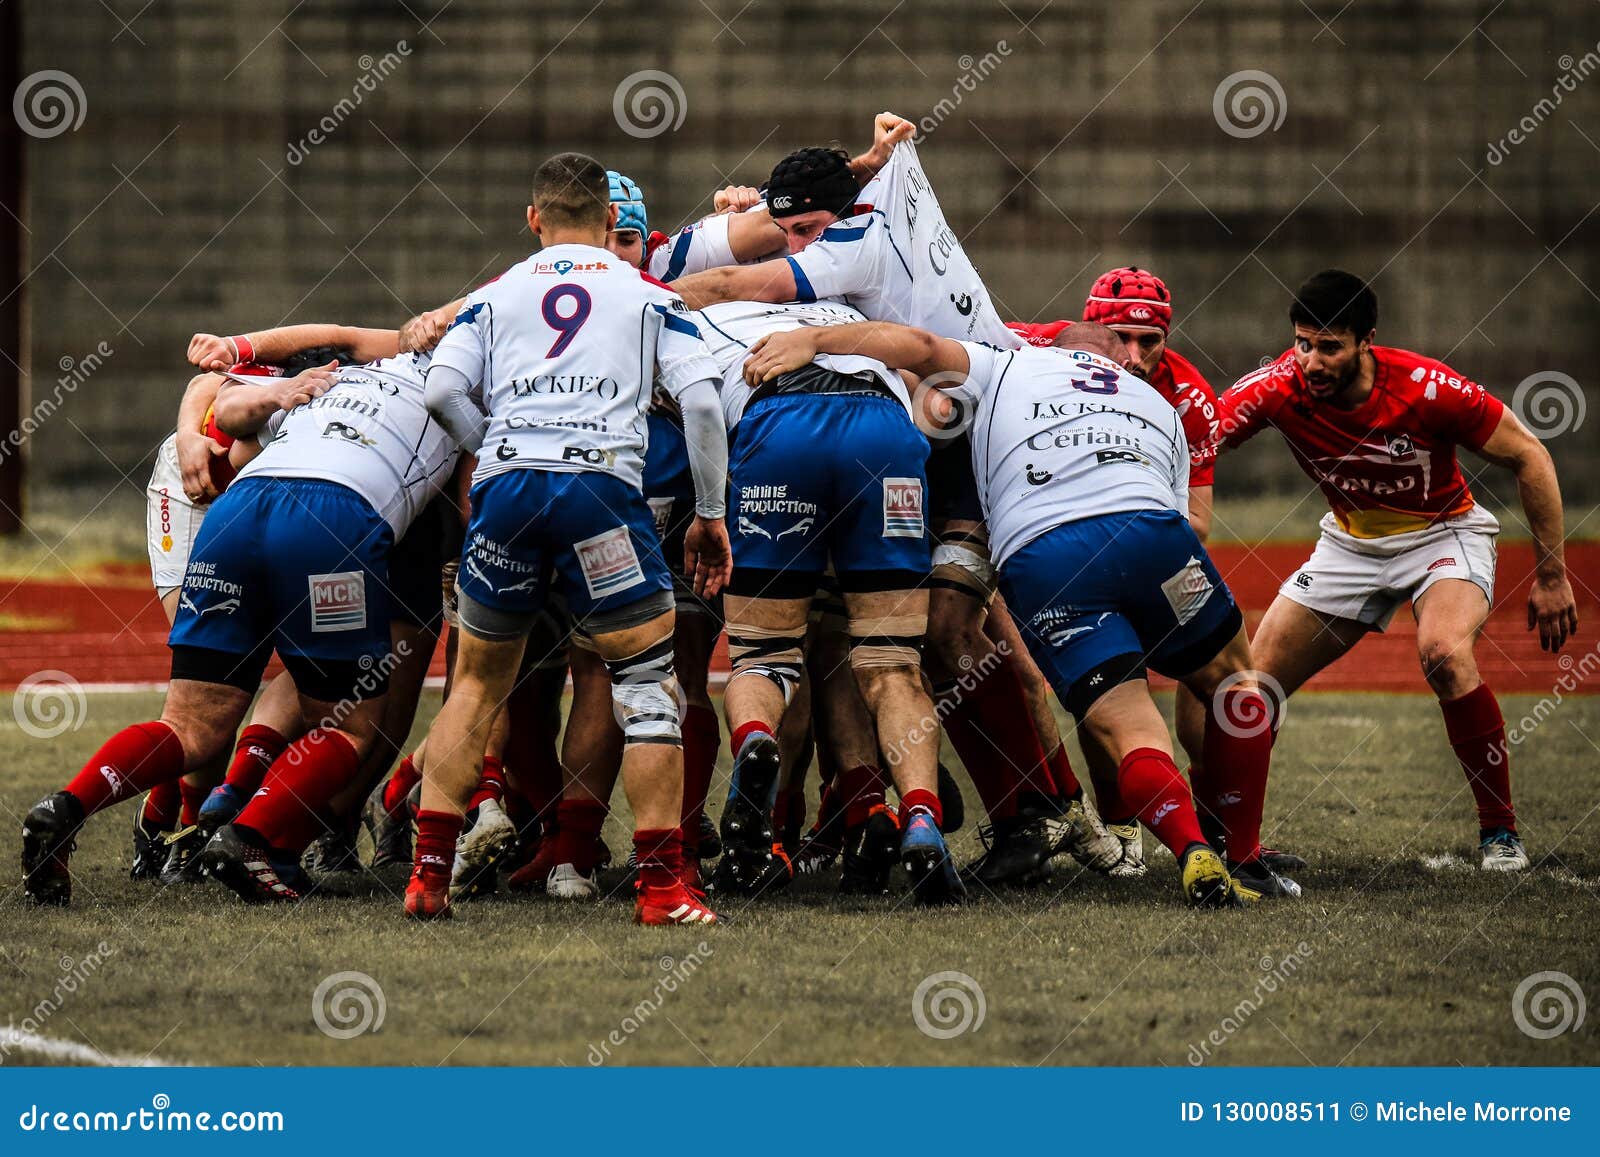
[
  {"x": 775, "y": 653},
  {"x": 645, "y": 695},
  {"x": 887, "y": 641}
]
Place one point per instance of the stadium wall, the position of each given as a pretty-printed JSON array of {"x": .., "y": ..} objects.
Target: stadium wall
[{"x": 350, "y": 163}]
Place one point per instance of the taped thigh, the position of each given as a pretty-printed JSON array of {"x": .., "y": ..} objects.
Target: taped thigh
[
  {"x": 887, "y": 641},
  {"x": 777, "y": 653},
  {"x": 644, "y": 692}
]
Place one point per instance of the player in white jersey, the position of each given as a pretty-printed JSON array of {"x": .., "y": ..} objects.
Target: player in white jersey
[
  {"x": 1083, "y": 472},
  {"x": 292, "y": 558},
  {"x": 827, "y": 467},
  {"x": 888, "y": 251},
  {"x": 566, "y": 348}
]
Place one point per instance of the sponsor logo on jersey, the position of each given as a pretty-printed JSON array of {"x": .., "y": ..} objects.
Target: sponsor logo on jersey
[
  {"x": 338, "y": 601},
  {"x": 902, "y": 508},
  {"x": 962, "y": 302},
  {"x": 1104, "y": 457},
  {"x": 747, "y": 527},
  {"x": 1303, "y": 581},
  {"x": 347, "y": 433},
  {"x": 940, "y": 248},
  {"x": 1400, "y": 446},
  {"x": 608, "y": 562},
  {"x": 800, "y": 527},
  {"x": 1058, "y": 637},
  {"x": 226, "y": 606},
  {"x": 590, "y": 455},
  {"x": 1439, "y": 562},
  {"x": 563, "y": 267},
  {"x": 505, "y": 451},
  {"x": 600, "y": 386},
  {"x": 1038, "y": 477}
]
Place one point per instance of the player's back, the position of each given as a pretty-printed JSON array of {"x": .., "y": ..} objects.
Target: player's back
[
  {"x": 567, "y": 349},
  {"x": 371, "y": 432},
  {"x": 1062, "y": 435}
]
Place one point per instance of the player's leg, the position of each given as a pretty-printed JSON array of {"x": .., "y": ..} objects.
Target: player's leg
[
  {"x": 1450, "y": 615},
  {"x": 699, "y": 624}
]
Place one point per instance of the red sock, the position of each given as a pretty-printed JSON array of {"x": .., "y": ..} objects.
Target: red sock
[
  {"x": 491, "y": 783},
  {"x": 531, "y": 744},
  {"x": 395, "y": 792},
  {"x": 161, "y": 807},
  {"x": 1232, "y": 785},
  {"x": 1060, "y": 766},
  {"x": 744, "y": 731},
  {"x": 132, "y": 761},
  {"x": 1151, "y": 784},
  {"x": 190, "y": 797},
  {"x": 1477, "y": 733},
  {"x": 577, "y": 838},
  {"x": 660, "y": 852},
  {"x": 291, "y": 809},
  {"x": 857, "y": 792},
  {"x": 701, "y": 736},
  {"x": 257, "y": 747},
  {"x": 923, "y": 798},
  {"x": 436, "y": 844},
  {"x": 995, "y": 779}
]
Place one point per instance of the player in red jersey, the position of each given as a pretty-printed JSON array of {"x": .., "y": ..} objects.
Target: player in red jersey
[
  {"x": 1136, "y": 305},
  {"x": 1377, "y": 429}
]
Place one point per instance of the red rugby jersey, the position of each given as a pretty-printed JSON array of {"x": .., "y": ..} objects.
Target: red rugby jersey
[
  {"x": 1389, "y": 465},
  {"x": 1175, "y": 379}
]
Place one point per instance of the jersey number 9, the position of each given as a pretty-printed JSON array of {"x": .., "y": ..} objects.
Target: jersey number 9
[{"x": 565, "y": 325}]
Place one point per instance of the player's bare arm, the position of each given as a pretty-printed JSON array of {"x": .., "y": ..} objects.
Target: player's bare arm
[
  {"x": 1551, "y": 606},
  {"x": 421, "y": 333},
  {"x": 888, "y": 130},
  {"x": 899, "y": 347},
  {"x": 242, "y": 409},
  {"x": 210, "y": 352},
  {"x": 195, "y": 450},
  {"x": 771, "y": 281}
]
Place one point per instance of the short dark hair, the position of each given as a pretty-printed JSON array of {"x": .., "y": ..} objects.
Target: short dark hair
[
  {"x": 572, "y": 190},
  {"x": 1091, "y": 336},
  {"x": 1334, "y": 299},
  {"x": 316, "y": 357}
]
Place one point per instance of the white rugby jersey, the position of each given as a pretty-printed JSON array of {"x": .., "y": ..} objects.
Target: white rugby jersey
[
  {"x": 732, "y": 327},
  {"x": 900, "y": 261},
  {"x": 692, "y": 249},
  {"x": 1061, "y": 435},
  {"x": 371, "y": 432},
  {"x": 566, "y": 346}
]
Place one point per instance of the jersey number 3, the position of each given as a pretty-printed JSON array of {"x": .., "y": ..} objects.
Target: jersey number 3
[
  {"x": 1106, "y": 378},
  {"x": 566, "y": 325}
]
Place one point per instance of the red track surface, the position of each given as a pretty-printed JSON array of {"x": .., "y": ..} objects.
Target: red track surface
[{"x": 108, "y": 627}]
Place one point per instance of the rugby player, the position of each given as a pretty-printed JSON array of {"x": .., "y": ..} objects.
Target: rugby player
[
  {"x": 827, "y": 467},
  {"x": 565, "y": 347},
  {"x": 886, "y": 249},
  {"x": 1377, "y": 428},
  {"x": 1083, "y": 472},
  {"x": 292, "y": 558},
  {"x": 1136, "y": 306}
]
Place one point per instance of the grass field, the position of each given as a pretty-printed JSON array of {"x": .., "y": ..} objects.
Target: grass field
[{"x": 1401, "y": 951}]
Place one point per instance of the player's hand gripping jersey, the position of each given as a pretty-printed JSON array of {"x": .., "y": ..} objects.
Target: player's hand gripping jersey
[
  {"x": 896, "y": 259},
  {"x": 696, "y": 247},
  {"x": 1389, "y": 465},
  {"x": 566, "y": 345},
  {"x": 371, "y": 432},
  {"x": 731, "y": 328},
  {"x": 1061, "y": 435}
]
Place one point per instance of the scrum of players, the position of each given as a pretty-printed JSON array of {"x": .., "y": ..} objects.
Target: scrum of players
[{"x": 798, "y": 421}]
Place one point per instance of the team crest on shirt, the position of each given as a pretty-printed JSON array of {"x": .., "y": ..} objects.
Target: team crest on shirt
[
  {"x": 1400, "y": 446},
  {"x": 902, "y": 508},
  {"x": 338, "y": 601},
  {"x": 608, "y": 562}
]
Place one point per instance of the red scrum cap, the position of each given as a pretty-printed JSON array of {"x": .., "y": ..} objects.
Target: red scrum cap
[{"x": 1129, "y": 298}]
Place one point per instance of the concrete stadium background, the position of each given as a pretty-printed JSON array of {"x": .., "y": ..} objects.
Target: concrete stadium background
[{"x": 1083, "y": 136}]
